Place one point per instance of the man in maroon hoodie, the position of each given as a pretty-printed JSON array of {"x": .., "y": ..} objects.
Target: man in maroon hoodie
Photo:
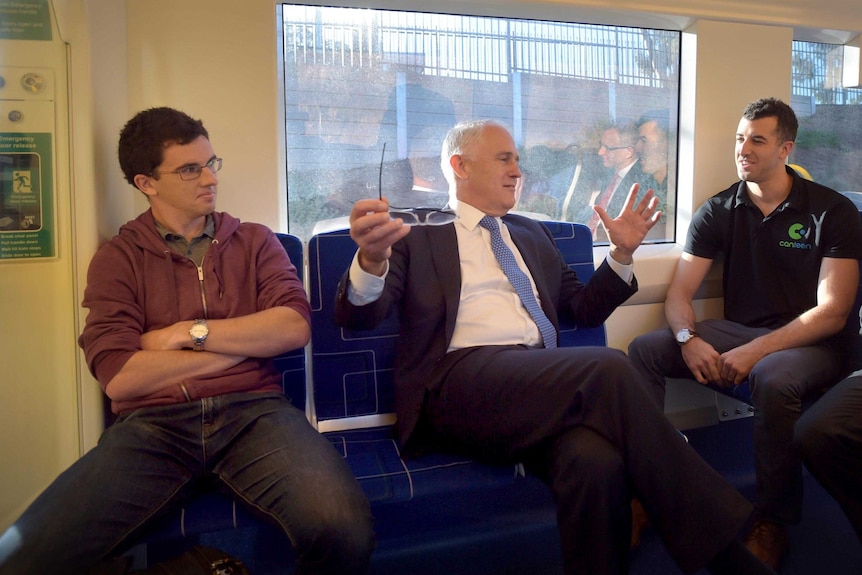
[{"x": 186, "y": 307}]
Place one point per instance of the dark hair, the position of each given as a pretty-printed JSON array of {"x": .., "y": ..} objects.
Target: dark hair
[
  {"x": 628, "y": 133},
  {"x": 144, "y": 138},
  {"x": 660, "y": 117},
  {"x": 774, "y": 108}
]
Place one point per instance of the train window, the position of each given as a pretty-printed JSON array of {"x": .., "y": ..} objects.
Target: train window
[
  {"x": 829, "y": 145},
  {"x": 584, "y": 103}
]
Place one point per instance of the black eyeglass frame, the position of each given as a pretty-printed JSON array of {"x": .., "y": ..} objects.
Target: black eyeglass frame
[
  {"x": 419, "y": 216},
  {"x": 193, "y": 172},
  {"x": 614, "y": 148}
]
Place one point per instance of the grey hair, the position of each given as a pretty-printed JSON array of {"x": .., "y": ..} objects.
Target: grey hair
[{"x": 457, "y": 139}]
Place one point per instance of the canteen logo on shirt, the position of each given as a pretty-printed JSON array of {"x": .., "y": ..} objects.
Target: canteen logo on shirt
[{"x": 802, "y": 237}]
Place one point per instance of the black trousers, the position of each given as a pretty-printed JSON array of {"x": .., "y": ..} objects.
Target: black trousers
[
  {"x": 828, "y": 436},
  {"x": 580, "y": 418}
]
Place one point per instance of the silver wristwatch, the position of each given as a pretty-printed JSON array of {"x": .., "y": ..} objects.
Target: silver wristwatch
[
  {"x": 685, "y": 335},
  {"x": 199, "y": 332}
]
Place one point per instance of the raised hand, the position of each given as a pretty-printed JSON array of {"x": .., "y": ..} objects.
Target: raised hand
[
  {"x": 627, "y": 231},
  {"x": 374, "y": 232}
]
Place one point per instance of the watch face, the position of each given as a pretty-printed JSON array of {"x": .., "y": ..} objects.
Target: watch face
[
  {"x": 198, "y": 331},
  {"x": 683, "y": 336}
]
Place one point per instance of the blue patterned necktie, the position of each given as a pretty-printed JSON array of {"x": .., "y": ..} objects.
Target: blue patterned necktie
[{"x": 519, "y": 281}]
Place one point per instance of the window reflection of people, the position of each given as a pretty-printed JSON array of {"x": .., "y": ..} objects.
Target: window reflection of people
[
  {"x": 411, "y": 130},
  {"x": 652, "y": 147},
  {"x": 423, "y": 155},
  {"x": 618, "y": 153}
]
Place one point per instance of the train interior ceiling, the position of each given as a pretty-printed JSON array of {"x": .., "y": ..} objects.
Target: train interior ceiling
[{"x": 302, "y": 121}]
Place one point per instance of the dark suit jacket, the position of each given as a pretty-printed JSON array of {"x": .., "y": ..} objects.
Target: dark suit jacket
[
  {"x": 424, "y": 286},
  {"x": 633, "y": 176},
  {"x": 647, "y": 182}
]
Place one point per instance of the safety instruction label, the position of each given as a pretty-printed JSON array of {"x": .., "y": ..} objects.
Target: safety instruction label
[
  {"x": 25, "y": 20},
  {"x": 26, "y": 198}
]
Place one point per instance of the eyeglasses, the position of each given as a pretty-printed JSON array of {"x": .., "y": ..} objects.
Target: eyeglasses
[
  {"x": 193, "y": 172},
  {"x": 614, "y": 148},
  {"x": 423, "y": 216},
  {"x": 414, "y": 216}
]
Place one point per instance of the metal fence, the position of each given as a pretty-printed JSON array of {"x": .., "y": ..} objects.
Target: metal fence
[
  {"x": 480, "y": 48},
  {"x": 817, "y": 74}
]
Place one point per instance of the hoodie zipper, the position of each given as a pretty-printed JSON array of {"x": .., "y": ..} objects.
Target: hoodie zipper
[{"x": 201, "y": 281}]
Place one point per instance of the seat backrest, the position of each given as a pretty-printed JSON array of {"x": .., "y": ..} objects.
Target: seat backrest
[
  {"x": 292, "y": 364},
  {"x": 575, "y": 243},
  {"x": 353, "y": 370}
]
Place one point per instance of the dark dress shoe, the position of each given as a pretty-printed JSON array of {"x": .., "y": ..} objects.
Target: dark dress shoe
[
  {"x": 768, "y": 542},
  {"x": 639, "y": 521}
]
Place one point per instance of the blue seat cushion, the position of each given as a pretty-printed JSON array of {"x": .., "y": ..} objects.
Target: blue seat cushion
[{"x": 375, "y": 460}]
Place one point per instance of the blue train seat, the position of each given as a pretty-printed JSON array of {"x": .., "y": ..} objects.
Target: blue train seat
[
  {"x": 575, "y": 244},
  {"x": 438, "y": 512},
  {"x": 212, "y": 511}
]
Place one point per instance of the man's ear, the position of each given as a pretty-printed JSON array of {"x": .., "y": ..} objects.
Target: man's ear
[
  {"x": 145, "y": 184},
  {"x": 459, "y": 167}
]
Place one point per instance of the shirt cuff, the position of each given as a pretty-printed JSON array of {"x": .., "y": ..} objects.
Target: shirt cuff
[
  {"x": 625, "y": 271},
  {"x": 364, "y": 287}
]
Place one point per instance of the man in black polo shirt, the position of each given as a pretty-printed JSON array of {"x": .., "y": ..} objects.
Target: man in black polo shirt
[{"x": 790, "y": 249}]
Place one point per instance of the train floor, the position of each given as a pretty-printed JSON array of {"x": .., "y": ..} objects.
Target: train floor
[{"x": 823, "y": 543}]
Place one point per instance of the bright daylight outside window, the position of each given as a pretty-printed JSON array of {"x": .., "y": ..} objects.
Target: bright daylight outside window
[
  {"x": 593, "y": 109},
  {"x": 829, "y": 143}
]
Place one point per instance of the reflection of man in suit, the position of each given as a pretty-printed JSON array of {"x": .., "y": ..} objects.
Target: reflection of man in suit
[
  {"x": 652, "y": 147},
  {"x": 474, "y": 372},
  {"x": 617, "y": 151}
]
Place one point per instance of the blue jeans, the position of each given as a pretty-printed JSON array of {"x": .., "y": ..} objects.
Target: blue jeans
[
  {"x": 258, "y": 446},
  {"x": 779, "y": 383}
]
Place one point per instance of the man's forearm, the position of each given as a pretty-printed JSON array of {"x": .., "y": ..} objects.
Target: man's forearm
[
  {"x": 268, "y": 333},
  {"x": 810, "y": 328},
  {"x": 679, "y": 315},
  {"x": 149, "y": 371}
]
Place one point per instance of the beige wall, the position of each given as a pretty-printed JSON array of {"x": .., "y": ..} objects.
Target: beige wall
[
  {"x": 217, "y": 60},
  {"x": 39, "y": 433}
]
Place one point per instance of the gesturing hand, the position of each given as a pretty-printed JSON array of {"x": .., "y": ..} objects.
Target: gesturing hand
[
  {"x": 627, "y": 231},
  {"x": 374, "y": 232}
]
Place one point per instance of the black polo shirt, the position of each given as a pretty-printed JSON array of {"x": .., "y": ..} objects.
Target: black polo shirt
[{"x": 772, "y": 263}]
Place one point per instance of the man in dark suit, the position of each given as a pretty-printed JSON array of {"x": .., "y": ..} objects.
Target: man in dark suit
[
  {"x": 617, "y": 151},
  {"x": 475, "y": 372}
]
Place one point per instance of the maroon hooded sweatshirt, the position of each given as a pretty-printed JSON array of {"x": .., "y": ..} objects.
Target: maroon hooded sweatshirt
[{"x": 136, "y": 284}]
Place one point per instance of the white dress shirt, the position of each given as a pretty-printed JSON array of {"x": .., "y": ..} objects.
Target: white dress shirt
[{"x": 490, "y": 311}]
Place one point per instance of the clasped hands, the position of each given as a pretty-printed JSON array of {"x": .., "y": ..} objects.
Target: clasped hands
[{"x": 724, "y": 370}]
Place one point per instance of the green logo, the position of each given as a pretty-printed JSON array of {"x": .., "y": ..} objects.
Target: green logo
[{"x": 795, "y": 231}]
